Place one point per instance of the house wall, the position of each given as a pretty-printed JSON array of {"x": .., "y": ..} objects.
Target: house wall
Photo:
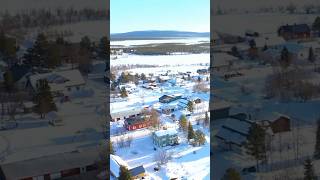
[
  {"x": 137, "y": 126},
  {"x": 164, "y": 140}
]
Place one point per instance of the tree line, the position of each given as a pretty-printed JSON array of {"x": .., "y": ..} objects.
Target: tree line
[{"x": 48, "y": 17}]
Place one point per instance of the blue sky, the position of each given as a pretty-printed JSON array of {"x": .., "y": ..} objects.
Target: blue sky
[{"x": 181, "y": 15}]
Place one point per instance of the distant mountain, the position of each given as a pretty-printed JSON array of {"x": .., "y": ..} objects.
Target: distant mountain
[{"x": 158, "y": 35}]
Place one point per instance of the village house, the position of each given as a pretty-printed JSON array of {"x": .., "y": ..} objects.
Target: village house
[
  {"x": 233, "y": 134},
  {"x": 223, "y": 61},
  {"x": 20, "y": 75},
  {"x": 169, "y": 98},
  {"x": 117, "y": 114},
  {"x": 297, "y": 52},
  {"x": 137, "y": 122},
  {"x": 60, "y": 82},
  {"x": 295, "y": 31},
  {"x": 276, "y": 123},
  {"x": 52, "y": 166},
  {"x": 183, "y": 103},
  {"x": 138, "y": 172},
  {"x": 221, "y": 109},
  {"x": 115, "y": 163},
  {"x": 203, "y": 71},
  {"x": 164, "y": 138}
]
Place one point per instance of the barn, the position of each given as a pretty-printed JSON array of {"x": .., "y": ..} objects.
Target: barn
[
  {"x": 137, "y": 122},
  {"x": 295, "y": 31}
]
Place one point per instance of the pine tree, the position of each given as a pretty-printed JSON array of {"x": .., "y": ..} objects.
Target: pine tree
[
  {"x": 316, "y": 24},
  {"x": 265, "y": 47},
  {"x": 38, "y": 54},
  {"x": 183, "y": 123},
  {"x": 85, "y": 43},
  {"x": 199, "y": 79},
  {"x": 124, "y": 174},
  {"x": 190, "y": 131},
  {"x": 234, "y": 51},
  {"x": 231, "y": 174},
  {"x": 317, "y": 146},
  {"x": 256, "y": 143},
  {"x": 123, "y": 92},
  {"x": 199, "y": 137},
  {"x": 190, "y": 106},
  {"x": 111, "y": 148},
  {"x": 44, "y": 100},
  {"x": 309, "y": 171},
  {"x": 206, "y": 120},
  {"x": 311, "y": 57},
  {"x": 285, "y": 59},
  {"x": 8, "y": 81},
  {"x": 104, "y": 47},
  {"x": 84, "y": 60},
  {"x": 143, "y": 77},
  {"x": 54, "y": 56}
]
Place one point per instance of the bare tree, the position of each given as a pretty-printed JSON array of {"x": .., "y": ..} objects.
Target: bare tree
[{"x": 162, "y": 157}]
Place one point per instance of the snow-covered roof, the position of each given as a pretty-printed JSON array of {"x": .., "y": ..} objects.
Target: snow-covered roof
[
  {"x": 121, "y": 112},
  {"x": 234, "y": 130},
  {"x": 230, "y": 136},
  {"x": 222, "y": 59},
  {"x": 240, "y": 126},
  {"x": 115, "y": 163},
  {"x": 59, "y": 80},
  {"x": 169, "y": 132}
]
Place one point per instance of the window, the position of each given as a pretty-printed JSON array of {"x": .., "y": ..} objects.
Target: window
[{"x": 69, "y": 89}]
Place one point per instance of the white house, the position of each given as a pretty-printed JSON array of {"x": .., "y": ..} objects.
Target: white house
[
  {"x": 59, "y": 81},
  {"x": 115, "y": 163}
]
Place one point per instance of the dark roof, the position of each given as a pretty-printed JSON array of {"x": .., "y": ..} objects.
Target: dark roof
[
  {"x": 168, "y": 98},
  {"x": 18, "y": 71},
  {"x": 50, "y": 164},
  {"x": 136, "y": 120},
  {"x": 137, "y": 170},
  {"x": 296, "y": 28}
]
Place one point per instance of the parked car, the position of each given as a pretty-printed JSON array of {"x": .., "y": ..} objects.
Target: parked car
[
  {"x": 249, "y": 170},
  {"x": 56, "y": 122}
]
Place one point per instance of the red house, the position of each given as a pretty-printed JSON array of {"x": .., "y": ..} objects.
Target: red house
[
  {"x": 137, "y": 122},
  {"x": 296, "y": 31}
]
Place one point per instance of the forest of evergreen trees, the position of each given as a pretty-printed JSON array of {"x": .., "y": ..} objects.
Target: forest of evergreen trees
[{"x": 48, "y": 17}]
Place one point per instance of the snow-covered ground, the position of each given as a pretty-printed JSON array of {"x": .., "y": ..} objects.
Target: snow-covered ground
[
  {"x": 185, "y": 59},
  {"x": 303, "y": 115},
  {"x": 79, "y": 130},
  {"x": 141, "y": 152},
  {"x": 186, "y": 41},
  {"x": 262, "y": 23}
]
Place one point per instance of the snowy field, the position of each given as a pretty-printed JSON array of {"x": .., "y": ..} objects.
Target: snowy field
[
  {"x": 186, "y": 41},
  {"x": 162, "y": 60},
  {"x": 262, "y": 23},
  {"x": 79, "y": 130}
]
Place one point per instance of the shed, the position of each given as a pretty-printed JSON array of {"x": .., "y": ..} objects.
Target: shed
[{"x": 137, "y": 172}]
